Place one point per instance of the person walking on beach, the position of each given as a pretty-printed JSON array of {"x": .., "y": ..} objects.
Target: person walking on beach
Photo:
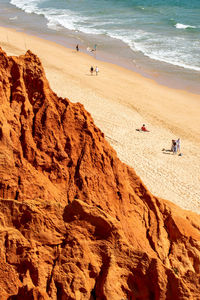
[
  {"x": 97, "y": 70},
  {"x": 91, "y": 70},
  {"x": 77, "y": 47}
]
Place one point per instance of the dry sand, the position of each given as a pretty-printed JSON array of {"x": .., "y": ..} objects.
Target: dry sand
[{"x": 120, "y": 101}]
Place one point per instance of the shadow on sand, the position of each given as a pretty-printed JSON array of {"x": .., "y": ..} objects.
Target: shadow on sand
[{"x": 167, "y": 151}]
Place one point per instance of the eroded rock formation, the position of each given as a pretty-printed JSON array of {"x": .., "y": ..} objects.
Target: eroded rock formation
[{"x": 75, "y": 222}]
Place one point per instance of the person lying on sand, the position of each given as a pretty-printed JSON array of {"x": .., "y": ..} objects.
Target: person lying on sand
[{"x": 143, "y": 128}]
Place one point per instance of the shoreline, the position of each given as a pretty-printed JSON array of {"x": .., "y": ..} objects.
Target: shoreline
[
  {"x": 119, "y": 101},
  {"x": 110, "y": 48},
  {"x": 165, "y": 74}
]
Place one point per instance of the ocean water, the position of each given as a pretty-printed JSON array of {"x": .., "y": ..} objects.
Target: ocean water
[{"x": 154, "y": 36}]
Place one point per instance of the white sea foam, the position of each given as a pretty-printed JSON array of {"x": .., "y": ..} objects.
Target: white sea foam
[
  {"x": 56, "y": 18},
  {"x": 155, "y": 47},
  {"x": 91, "y": 30},
  {"x": 169, "y": 49},
  {"x": 171, "y": 55},
  {"x": 13, "y": 18},
  {"x": 183, "y": 26},
  {"x": 62, "y": 18},
  {"x": 27, "y": 6}
]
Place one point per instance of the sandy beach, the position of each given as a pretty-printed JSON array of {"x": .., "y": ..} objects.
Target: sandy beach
[{"x": 120, "y": 101}]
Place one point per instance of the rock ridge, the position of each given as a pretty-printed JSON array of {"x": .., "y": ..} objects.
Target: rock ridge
[{"x": 75, "y": 222}]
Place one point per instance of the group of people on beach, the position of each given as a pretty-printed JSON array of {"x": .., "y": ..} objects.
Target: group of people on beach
[
  {"x": 92, "y": 70},
  {"x": 88, "y": 48},
  {"x": 175, "y": 146}
]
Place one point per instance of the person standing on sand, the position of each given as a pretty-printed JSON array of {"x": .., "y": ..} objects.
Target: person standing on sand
[
  {"x": 97, "y": 70},
  {"x": 174, "y": 146},
  {"x": 77, "y": 48},
  {"x": 91, "y": 70},
  {"x": 178, "y": 143}
]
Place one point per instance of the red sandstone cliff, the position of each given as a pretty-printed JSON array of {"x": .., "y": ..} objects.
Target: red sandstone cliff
[{"x": 75, "y": 222}]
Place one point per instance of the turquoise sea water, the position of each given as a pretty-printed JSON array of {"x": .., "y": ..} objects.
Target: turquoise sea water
[{"x": 156, "y": 35}]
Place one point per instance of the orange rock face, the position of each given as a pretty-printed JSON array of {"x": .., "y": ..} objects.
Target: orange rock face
[{"x": 75, "y": 222}]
